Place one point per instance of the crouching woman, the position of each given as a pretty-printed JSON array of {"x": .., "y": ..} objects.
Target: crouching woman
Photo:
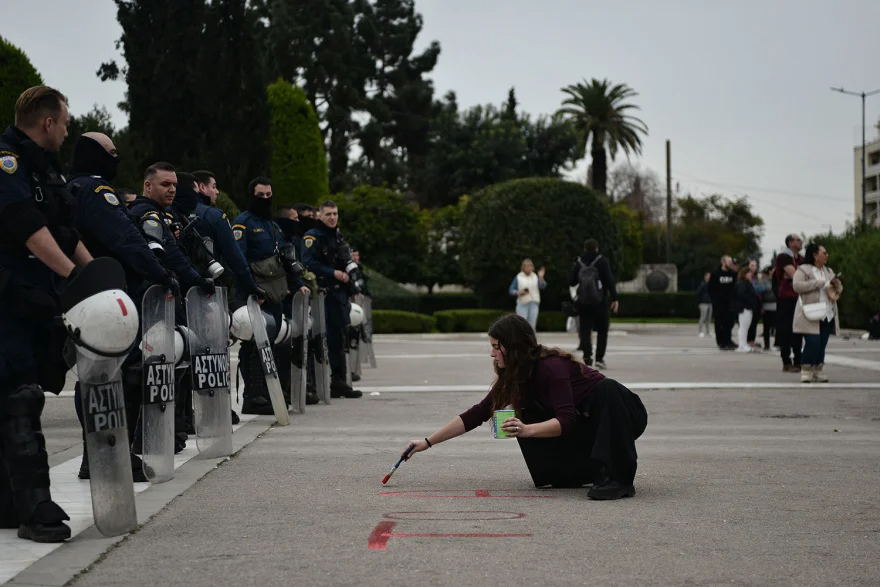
[{"x": 574, "y": 426}]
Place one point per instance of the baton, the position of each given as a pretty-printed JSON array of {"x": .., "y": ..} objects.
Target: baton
[{"x": 391, "y": 472}]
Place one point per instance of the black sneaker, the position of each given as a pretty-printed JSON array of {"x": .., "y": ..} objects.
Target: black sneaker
[
  {"x": 355, "y": 377},
  {"x": 235, "y": 418},
  {"x": 46, "y": 525},
  {"x": 258, "y": 406},
  {"x": 312, "y": 398},
  {"x": 608, "y": 488}
]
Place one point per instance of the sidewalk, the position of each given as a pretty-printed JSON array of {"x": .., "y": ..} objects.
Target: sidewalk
[{"x": 768, "y": 484}]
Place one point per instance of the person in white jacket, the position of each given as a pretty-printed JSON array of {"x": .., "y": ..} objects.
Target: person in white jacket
[{"x": 527, "y": 286}]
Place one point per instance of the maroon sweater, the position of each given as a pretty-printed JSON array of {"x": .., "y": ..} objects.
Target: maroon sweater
[{"x": 557, "y": 385}]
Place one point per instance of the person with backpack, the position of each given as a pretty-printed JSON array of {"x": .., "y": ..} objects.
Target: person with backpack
[{"x": 591, "y": 274}]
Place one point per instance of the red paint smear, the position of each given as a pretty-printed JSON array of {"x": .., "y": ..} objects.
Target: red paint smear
[
  {"x": 122, "y": 305},
  {"x": 507, "y": 516},
  {"x": 478, "y": 493},
  {"x": 383, "y": 532}
]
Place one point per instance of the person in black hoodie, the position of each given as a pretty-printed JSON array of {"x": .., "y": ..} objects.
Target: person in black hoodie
[
  {"x": 721, "y": 289},
  {"x": 746, "y": 305},
  {"x": 705, "y": 303},
  {"x": 595, "y": 317}
]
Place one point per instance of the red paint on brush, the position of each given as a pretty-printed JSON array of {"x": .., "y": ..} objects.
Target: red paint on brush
[{"x": 387, "y": 477}]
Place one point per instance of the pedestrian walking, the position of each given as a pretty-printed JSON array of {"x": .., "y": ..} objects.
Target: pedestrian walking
[
  {"x": 527, "y": 286},
  {"x": 816, "y": 316}
]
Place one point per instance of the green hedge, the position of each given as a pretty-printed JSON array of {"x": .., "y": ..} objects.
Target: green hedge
[
  {"x": 467, "y": 320},
  {"x": 427, "y": 303},
  {"x": 658, "y": 305},
  {"x": 396, "y": 322}
]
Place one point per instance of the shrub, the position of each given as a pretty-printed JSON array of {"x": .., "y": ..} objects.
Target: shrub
[
  {"x": 546, "y": 220},
  {"x": 428, "y": 303},
  {"x": 551, "y": 322},
  {"x": 658, "y": 305},
  {"x": 225, "y": 203},
  {"x": 396, "y": 322},
  {"x": 18, "y": 74},
  {"x": 298, "y": 160},
  {"x": 385, "y": 228},
  {"x": 467, "y": 320}
]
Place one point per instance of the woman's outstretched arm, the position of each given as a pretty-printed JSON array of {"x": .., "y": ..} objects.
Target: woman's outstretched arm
[{"x": 454, "y": 428}]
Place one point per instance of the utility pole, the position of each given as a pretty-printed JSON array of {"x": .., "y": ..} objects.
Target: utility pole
[
  {"x": 668, "y": 204},
  {"x": 863, "y": 95}
]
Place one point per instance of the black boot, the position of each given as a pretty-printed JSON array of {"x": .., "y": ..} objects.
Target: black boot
[
  {"x": 259, "y": 406},
  {"x": 355, "y": 377},
  {"x": 235, "y": 418},
  {"x": 84, "y": 466},
  {"x": 311, "y": 395},
  {"x": 339, "y": 388},
  {"x": 46, "y": 523},
  {"x": 609, "y": 488}
]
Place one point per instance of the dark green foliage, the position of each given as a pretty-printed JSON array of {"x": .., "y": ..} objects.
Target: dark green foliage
[
  {"x": 385, "y": 228},
  {"x": 600, "y": 113},
  {"x": 631, "y": 234},
  {"x": 16, "y": 75},
  {"x": 853, "y": 254},
  {"x": 467, "y": 320},
  {"x": 551, "y": 322},
  {"x": 299, "y": 165},
  {"x": 546, "y": 220},
  {"x": 397, "y": 322},
  {"x": 427, "y": 303},
  {"x": 658, "y": 305},
  {"x": 382, "y": 288},
  {"x": 441, "y": 264},
  {"x": 225, "y": 203}
]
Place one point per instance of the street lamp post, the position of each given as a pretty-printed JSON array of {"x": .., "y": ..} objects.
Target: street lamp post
[{"x": 863, "y": 95}]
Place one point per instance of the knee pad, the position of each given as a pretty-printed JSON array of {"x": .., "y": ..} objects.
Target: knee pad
[{"x": 24, "y": 401}]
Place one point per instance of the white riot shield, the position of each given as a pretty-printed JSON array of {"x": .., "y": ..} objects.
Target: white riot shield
[
  {"x": 267, "y": 362},
  {"x": 318, "y": 342},
  {"x": 299, "y": 352},
  {"x": 109, "y": 452},
  {"x": 208, "y": 344},
  {"x": 367, "y": 331},
  {"x": 157, "y": 423}
]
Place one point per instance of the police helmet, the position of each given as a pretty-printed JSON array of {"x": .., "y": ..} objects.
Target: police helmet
[{"x": 356, "y": 315}]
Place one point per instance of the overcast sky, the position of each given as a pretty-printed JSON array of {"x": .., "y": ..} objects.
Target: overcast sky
[{"x": 740, "y": 88}]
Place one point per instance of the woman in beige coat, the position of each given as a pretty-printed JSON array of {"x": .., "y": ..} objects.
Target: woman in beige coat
[{"x": 818, "y": 291}]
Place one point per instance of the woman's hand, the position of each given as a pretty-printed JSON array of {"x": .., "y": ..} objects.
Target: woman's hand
[
  {"x": 420, "y": 445},
  {"x": 541, "y": 272},
  {"x": 515, "y": 428}
]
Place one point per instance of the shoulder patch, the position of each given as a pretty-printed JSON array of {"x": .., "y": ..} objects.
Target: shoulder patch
[
  {"x": 237, "y": 234},
  {"x": 104, "y": 188},
  {"x": 9, "y": 164},
  {"x": 111, "y": 199},
  {"x": 309, "y": 240},
  {"x": 152, "y": 222},
  {"x": 239, "y": 226}
]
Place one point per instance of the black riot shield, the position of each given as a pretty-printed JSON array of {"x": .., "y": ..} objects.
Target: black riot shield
[
  {"x": 157, "y": 423},
  {"x": 299, "y": 352},
  {"x": 318, "y": 342},
  {"x": 208, "y": 345},
  {"x": 109, "y": 452},
  {"x": 267, "y": 361}
]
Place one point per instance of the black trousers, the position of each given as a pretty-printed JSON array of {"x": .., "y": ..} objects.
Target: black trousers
[
  {"x": 604, "y": 438},
  {"x": 769, "y": 319},
  {"x": 724, "y": 319},
  {"x": 594, "y": 318},
  {"x": 790, "y": 343}
]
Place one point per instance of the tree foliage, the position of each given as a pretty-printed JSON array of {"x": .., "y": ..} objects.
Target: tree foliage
[
  {"x": 599, "y": 111},
  {"x": 17, "y": 74},
  {"x": 631, "y": 240},
  {"x": 385, "y": 228},
  {"x": 298, "y": 162},
  {"x": 442, "y": 261},
  {"x": 546, "y": 220}
]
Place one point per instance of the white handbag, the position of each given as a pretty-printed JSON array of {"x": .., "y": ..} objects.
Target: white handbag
[{"x": 815, "y": 312}]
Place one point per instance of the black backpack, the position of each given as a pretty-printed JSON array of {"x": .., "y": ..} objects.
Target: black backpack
[{"x": 589, "y": 292}]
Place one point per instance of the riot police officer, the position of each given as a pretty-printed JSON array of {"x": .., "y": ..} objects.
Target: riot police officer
[
  {"x": 260, "y": 239},
  {"x": 38, "y": 248},
  {"x": 107, "y": 231},
  {"x": 320, "y": 254}
]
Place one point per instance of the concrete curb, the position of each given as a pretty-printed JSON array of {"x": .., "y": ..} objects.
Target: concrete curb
[{"x": 85, "y": 549}]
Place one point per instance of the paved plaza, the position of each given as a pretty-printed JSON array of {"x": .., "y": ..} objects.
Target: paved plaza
[{"x": 746, "y": 477}]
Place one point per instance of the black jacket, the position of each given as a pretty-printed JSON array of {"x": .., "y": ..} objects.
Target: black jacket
[
  {"x": 703, "y": 293},
  {"x": 746, "y": 296},
  {"x": 605, "y": 276}
]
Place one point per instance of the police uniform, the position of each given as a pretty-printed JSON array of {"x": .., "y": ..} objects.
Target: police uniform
[
  {"x": 258, "y": 238},
  {"x": 32, "y": 196},
  {"x": 215, "y": 225},
  {"x": 319, "y": 255},
  {"x": 108, "y": 231}
]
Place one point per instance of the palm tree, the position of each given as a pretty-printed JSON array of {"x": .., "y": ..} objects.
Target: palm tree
[{"x": 599, "y": 112}]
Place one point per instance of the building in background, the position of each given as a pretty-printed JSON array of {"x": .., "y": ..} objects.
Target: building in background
[{"x": 872, "y": 180}]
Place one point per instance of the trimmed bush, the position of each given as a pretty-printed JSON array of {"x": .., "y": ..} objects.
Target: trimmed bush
[
  {"x": 298, "y": 160},
  {"x": 396, "y": 322},
  {"x": 546, "y": 220},
  {"x": 428, "y": 303},
  {"x": 551, "y": 321},
  {"x": 225, "y": 203},
  {"x": 467, "y": 320},
  {"x": 18, "y": 74},
  {"x": 658, "y": 305}
]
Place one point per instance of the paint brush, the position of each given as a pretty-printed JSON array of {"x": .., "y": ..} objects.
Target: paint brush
[{"x": 403, "y": 458}]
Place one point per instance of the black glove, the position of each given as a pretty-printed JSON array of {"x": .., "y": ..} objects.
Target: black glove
[
  {"x": 207, "y": 285},
  {"x": 173, "y": 285},
  {"x": 261, "y": 293}
]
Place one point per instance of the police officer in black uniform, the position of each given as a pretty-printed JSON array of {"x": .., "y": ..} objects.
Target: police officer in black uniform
[
  {"x": 261, "y": 241},
  {"x": 38, "y": 249},
  {"x": 320, "y": 248},
  {"x": 107, "y": 231}
]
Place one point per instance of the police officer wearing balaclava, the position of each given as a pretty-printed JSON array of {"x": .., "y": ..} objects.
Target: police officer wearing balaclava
[
  {"x": 260, "y": 239},
  {"x": 107, "y": 231}
]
